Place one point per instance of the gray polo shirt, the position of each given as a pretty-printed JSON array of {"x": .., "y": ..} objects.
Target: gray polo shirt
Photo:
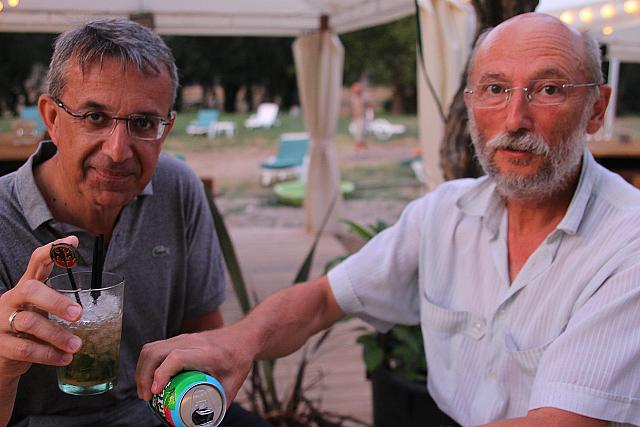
[{"x": 164, "y": 244}]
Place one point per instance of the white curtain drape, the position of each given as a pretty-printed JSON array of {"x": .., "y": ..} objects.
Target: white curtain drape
[
  {"x": 447, "y": 28},
  {"x": 319, "y": 59}
]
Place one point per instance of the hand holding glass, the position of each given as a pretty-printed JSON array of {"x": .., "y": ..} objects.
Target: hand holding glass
[{"x": 94, "y": 368}]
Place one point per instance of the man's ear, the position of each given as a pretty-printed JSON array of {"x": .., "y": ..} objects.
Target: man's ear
[
  {"x": 49, "y": 113},
  {"x": 598, "y": 109}
]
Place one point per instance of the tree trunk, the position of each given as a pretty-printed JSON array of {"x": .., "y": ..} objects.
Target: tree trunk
[
  {"x": 457, "y": 157},
  {"x": 230, "y": 91}
]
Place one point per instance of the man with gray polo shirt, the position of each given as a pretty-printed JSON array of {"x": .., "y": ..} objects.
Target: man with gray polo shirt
[
  {"x": 111, "y": 86},
  {"x": 526, "y": 282}
]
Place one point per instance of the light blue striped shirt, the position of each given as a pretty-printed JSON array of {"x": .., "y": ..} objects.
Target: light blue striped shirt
[{"x": 564, "y": 334}]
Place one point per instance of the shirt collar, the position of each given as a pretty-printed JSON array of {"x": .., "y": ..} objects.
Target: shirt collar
[
  {"x": 484, "y": 201},
  {"x": 29, "y": 196},
  {"x": 34, "y": 207},
  {"x": 578, "y": 205}
]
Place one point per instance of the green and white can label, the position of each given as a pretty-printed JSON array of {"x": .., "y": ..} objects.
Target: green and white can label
[{"x": 191, "y": 399}]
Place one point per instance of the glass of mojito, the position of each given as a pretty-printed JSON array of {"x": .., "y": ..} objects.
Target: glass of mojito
[{"x": 94, "y": 368}]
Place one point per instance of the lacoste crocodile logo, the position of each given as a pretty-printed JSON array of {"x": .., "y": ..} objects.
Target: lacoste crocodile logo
[{"x": 160, "y": 251}]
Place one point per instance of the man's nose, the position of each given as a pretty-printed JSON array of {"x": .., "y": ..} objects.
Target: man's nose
[
  {"x": 118, "y": 145},
  {"x": 518, "y": 112}
]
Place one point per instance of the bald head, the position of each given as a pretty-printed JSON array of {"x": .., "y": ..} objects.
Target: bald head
[{"x": 538, "y": 35}]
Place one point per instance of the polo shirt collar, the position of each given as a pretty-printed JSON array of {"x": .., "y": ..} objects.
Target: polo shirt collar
[
  {"x": 34, "y": 207},
  {"x": 29, "y": 196}
]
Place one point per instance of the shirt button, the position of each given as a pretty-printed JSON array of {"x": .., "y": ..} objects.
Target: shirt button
[
  {"x": 502, "y": 312},
  {"x": 477, "y": 327},
  {"x": 492, "y": 374}
]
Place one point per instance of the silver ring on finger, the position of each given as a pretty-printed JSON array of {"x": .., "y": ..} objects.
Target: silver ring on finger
[{"x": 12, "y": 319}]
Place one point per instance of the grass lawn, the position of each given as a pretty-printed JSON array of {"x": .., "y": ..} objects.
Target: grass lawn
[{"x": 179, "y": 139}]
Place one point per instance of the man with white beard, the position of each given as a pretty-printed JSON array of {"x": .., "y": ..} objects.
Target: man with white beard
[{"x": 526, "y": 282}]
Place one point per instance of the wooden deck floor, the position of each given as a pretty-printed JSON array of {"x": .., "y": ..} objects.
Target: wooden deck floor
[{"x": 269, "y": 258}]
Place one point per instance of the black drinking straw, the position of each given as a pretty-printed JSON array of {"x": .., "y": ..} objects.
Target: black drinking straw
[
  {"x": 71, "y": 279},
  {"x": 97, "y": 266}
]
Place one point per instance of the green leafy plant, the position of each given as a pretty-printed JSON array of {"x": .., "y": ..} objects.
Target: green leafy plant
[
  {"x": 399, "y": 350},
  {"x": 293, "y": 409}
]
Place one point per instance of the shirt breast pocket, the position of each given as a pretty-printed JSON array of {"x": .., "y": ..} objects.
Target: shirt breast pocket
[
  {"x": 445, "y": 321},
  {"x": 527, "y": 359},
  {"x": 448, "y": 334}
]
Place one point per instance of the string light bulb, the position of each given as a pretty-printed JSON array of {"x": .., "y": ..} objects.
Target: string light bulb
[
  {"x": 631, "y": 6},
  {"x": 1, "y": 6},
  {"x": 607, "y": 11},
  {"x": 607, "y": 31},
  {"x": 586, "y": 15},
  {"x": 566, "y": 17},
  {"x": 13, "y": 3}
]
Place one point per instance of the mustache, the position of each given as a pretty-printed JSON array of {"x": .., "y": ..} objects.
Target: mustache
[{"x": 521, "y": 142}]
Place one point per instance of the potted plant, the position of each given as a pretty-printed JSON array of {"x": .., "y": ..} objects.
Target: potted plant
[{"x": 396, "y": 366}]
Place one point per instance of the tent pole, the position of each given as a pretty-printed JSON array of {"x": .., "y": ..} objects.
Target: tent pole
[
  {"x": 324, "y": 22},
  {"x": 612, "y": 79}
]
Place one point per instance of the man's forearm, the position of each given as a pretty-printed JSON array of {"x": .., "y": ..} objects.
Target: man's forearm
[
  {"x": 276, "y": 327},
  {"x": 283, "y": 322},
  {"x": 549, "y": 417}
]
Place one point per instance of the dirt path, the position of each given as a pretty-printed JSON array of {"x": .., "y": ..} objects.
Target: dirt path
[
  {"x": 229, "y": 165},
  {"x": 243, "y": 202}
]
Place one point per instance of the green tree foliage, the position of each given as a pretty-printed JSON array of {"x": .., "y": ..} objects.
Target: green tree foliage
[
  {"x": 234, "y": 62},
  {"x": 385, "y": 55},
  {"x": 20, "y": 53}
]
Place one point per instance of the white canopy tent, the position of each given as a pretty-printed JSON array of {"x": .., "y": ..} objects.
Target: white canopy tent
[
  {"x": 447, "y": 28},
  {"x": 209, "y": 17},
  {"x": 319, "y": 57}
]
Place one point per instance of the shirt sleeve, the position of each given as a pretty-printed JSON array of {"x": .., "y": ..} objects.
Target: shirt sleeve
[
  {"x": 379, "y": 283},
  {"x": 593, "y": 367}
]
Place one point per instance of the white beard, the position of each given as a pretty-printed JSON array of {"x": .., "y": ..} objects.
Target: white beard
[{"x": 559, "y": 167}]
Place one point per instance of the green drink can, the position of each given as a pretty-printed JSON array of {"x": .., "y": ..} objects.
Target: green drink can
[{"x": 191, "y": 399}]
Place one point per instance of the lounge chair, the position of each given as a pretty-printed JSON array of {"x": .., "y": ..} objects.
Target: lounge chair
[
  {"x": 289, "y": 162},
  {"x": 29, "y": 127},
  {"x": 205, "y": 123},
  {"x": 31, "y": 114},
  {"x": 384, "y": 130},
  {"x": 265, "y": 116},
  {"x": 381, "y": 128}
]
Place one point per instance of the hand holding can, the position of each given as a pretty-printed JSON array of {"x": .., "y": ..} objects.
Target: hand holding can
[{"x": 191, "y": 399}]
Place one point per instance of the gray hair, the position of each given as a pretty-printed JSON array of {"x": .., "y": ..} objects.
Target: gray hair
[
  {"x": 127, "y": 41},
  {"x": 592, "y": 63}
]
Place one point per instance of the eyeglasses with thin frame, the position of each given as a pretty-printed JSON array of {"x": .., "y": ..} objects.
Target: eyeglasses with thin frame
[
  {"x": 98, "y": 123},
  {"x": 544, "y": 92}
]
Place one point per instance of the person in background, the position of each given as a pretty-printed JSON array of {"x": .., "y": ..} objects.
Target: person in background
[
  {"x": 361, "y": 115},
  {"x": 108, "y": 109}
]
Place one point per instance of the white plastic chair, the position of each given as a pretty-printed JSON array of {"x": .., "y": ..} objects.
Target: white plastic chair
[{"x": 265, "y": 116}]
